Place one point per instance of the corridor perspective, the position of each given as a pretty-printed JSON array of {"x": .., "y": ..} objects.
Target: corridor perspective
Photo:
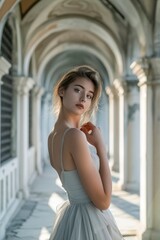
[{"x": 39, "y": 41}]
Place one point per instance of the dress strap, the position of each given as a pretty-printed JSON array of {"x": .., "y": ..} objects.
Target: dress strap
[{"x": 61, "y": 150}]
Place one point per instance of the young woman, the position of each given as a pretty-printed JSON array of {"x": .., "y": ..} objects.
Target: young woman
[{"x": 77, "y": 152}]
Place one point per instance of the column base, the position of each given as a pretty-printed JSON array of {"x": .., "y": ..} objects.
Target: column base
[
  {"x": 117, "y": 186},
  {"x": 150, "y": 235},
  {"x": 132, "y": 187},
  {"x": 128, "y": 187},
  {"x": 114, "y": 166},
  {"x": 23, "y": 194}
]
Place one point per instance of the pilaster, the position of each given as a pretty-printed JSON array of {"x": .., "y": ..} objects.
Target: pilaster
[
  {"x": 46, "y": 111},
  {"x": 120, "y": 86},
  {"x": 133, "y": 135},
  {"x": 155, "y": 66},
  {"x": 113, "y": 128},
  {"x": 148, "y": 73},
  {"x": 22, "y": 85},
  {"x": 102, "y": 118},
  {"x": 37, "y": 140}
]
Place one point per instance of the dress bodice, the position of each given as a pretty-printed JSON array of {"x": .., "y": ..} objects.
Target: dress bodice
[
  {"x": 72, "y": 183},
  {"x": 78, "y": 218}
]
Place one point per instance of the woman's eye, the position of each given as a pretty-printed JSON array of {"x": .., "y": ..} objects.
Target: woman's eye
[
  {"x": 89, "y": 96},
  {"x": 77, "y": 90}
]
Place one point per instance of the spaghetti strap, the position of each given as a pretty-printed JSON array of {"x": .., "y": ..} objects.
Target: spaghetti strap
[{"x": 61, "y": 150}]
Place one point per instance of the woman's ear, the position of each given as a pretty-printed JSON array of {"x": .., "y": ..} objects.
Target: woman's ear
[{"x": 61, "y": 92}]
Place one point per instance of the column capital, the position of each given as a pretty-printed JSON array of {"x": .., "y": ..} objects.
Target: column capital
[
  {"x": 120, "y": 86},
  {"x": 147, "y": 71},
  {"x": 111, "y": 91},
  {"x": 141, "y": 68},
  {"x": 38, "y": 91},
  {"x": 4, "y": 67},
  {"x": 23, "y": 84}
]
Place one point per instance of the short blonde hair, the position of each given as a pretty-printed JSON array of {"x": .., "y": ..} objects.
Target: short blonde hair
[{"x": 83, "y": 71}]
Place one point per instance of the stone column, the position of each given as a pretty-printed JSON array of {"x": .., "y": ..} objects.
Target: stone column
[
  {"x": 45, "y": 125},
  {"x": 133, "y": 136},
  {"x": 155, "y": 63},
  {"x": 37, "y": 140},
  {"x": 121, "y": 89},
  {"x": 102, "y": 118},
  {"x": 22, "y": 85},
  {"x": 113, "y": 128},
  {"x": 148, "y": 73}
]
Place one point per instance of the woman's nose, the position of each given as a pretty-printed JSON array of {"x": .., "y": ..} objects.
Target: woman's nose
[{"x": 83, "y": 97}]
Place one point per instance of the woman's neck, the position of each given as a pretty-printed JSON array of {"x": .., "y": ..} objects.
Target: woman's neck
[{"x": 68, "y": 121}]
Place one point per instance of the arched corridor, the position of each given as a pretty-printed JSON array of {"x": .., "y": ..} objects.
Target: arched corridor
[{"x": 39, "y": 41}]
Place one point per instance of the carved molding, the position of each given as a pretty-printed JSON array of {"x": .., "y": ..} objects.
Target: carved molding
[
  {"x": 120, "y": 86},
  {"x": 23, "y": 84},
  {"x": 111, "y": 91},
  {"x": 147, "y": 71},
  {"x": 140, "y": 68}
]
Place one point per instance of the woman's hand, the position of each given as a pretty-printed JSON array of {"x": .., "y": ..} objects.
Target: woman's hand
[{"x": 93, "y": 134}]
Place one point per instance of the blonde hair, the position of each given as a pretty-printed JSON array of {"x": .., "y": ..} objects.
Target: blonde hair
[{"x": 83, "y": 71}]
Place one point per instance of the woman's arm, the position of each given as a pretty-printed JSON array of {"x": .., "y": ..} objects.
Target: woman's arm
[{"x": 97, "y": 184}]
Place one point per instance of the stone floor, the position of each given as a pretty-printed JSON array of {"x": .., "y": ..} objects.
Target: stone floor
[{"x": 34, "y": 220}]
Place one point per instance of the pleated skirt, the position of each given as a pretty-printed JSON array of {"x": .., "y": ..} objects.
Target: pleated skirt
[{"x": 83, "y": 221}]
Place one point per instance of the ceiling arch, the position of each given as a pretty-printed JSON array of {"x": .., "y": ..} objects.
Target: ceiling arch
[
  {"x": 70, "y": 37},
  {"x": 60, "y": 64},
  {"x": 76, "y": 24},
  {"x": 65, "y": 47},
  {"x": 138, "y": 21}
]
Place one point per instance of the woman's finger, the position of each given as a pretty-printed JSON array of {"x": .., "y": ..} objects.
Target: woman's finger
[
  {"x": 83, "y": 129},
  {"x": 89, "y": 126}
]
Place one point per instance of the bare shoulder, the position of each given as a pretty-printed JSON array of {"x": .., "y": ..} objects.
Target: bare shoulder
[
  {"x": 50, "y": 137},
  {"x": 76, "y": 136}
]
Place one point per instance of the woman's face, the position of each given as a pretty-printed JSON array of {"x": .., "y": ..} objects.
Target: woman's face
[{"x": 77, "y": 98}]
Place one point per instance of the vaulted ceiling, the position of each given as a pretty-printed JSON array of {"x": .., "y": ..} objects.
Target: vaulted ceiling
[{"x": 59, "y": 34}]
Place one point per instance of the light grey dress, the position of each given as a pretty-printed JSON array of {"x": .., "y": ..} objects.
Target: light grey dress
[{"x": 78, "y": 218}]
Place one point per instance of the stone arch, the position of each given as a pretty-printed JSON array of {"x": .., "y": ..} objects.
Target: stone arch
[
  {"x": 66, "y": 47},
  {"x": 138, "y": 21},
  {"x": 17, "y": 44},
  {"x": 61, "y": 65},
  {"x": 73, "y": 23}
]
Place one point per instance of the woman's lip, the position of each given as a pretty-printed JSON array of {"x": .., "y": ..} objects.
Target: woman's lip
[{"x": 80, "y": 106}]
